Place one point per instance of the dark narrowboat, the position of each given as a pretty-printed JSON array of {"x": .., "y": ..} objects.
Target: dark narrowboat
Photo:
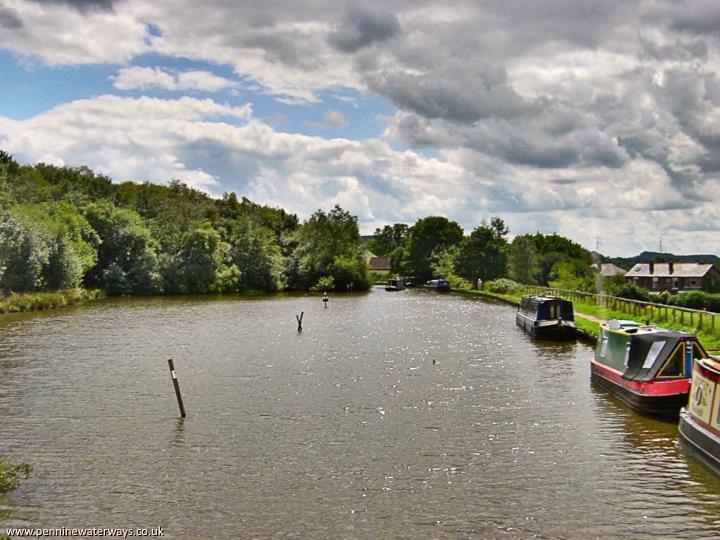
[
  {"x": 440, "y": 285},
  {"x": 646, "y": 367},
  {"x": 547, "y": 317},
  {"x": 700, "y": 420},
  {"x": 396, "y": 284}
]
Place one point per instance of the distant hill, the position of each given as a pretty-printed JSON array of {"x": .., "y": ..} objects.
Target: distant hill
[{"x": 654, "y": 256}]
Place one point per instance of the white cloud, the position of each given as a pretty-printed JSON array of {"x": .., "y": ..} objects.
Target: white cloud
[
  {"x": 333, "y": 119},
  {"x": 143, "y": 78},
  {"x": 61, "y": 35},
  {"x": 599, "y": 120}
]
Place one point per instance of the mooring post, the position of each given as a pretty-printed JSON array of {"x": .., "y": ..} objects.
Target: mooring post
[
  {"x": 176, "y": 384},
  {"x": 299, "y": 320}
]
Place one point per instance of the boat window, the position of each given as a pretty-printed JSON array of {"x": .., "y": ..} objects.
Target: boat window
[
  {"x": 698, "y": 352},
  {"x": 675, "y": 366},
  {"x": 627, "y": 353},
  {"x": 652, "y": 354},
  {"x": 604, "y": 344}
]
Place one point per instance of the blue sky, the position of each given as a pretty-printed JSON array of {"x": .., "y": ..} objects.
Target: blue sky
[{"x": 596, "y": 120}]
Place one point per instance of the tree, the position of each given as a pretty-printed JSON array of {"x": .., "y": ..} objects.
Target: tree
[
  {"x": 428, "y": 238},
  {"x": 523, "y": 261},
  {"x": 23, "y": 254},
  {"x": 484, "y": 253},
  {"x": 127, "y": 253},
  {"x": 329, "y": 246},
  {"x": 554, "y": 248}
]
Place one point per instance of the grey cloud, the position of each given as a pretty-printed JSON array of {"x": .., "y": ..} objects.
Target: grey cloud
[
  {"x": 83, "y": 5},
  {"x": 677, "y": 50},
  {"x": 9, "y": 18},
  {"x": 362, "y": 28},
  {"x": 461, "y": 96},
  {"x": 563, "y": 181},
  {"x": 697, "y": 17}
]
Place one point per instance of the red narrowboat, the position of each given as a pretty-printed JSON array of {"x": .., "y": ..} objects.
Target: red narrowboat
[
  {"x": 646, "y": 367},
  {"x": 700, "y": 420}
]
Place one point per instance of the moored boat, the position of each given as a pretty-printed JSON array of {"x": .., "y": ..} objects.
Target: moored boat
[
  {"x": 437, "y": 285},
  {"x": 646, "y": 367},
  {"x": 547, "y": 317},
  {"x": 700, "y": 420},
  {"x": 396, "y": 284}
]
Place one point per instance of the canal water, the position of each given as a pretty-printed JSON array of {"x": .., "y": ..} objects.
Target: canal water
[{"x": 392, "y": 415}]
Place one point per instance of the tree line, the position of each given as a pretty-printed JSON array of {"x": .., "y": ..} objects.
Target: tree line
[
  {"x": 437, "y": 247},
  {"x": 68, "y": 227}
]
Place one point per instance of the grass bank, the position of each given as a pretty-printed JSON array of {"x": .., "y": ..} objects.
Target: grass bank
[
  {"x": 20, "y": 302},
  {"x": 592, "y": 313}
]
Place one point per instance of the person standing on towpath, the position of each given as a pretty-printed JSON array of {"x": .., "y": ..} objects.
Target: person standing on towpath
[{"x": 325, "y": 298}]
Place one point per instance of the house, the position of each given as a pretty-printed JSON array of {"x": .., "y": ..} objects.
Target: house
[
  {"x": 376, "y": 264},
  {"x": 608, "y": 269},
  {"x": 674, "y": 277},
  {"x": 380, "y": 264}
]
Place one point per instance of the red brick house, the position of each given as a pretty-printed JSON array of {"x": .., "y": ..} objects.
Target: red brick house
[{"x": 658, "y": 277}]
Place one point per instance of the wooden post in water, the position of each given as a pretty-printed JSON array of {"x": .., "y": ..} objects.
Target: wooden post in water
[
  {"x": 176, "y": 384},
  {"x": 299, "y": 320}
]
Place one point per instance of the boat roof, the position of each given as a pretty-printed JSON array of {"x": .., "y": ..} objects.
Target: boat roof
[
  {"x": 541, "y": 299},
  {"x": 628, "y": 327},
  {"x": 641, "y": 346}
]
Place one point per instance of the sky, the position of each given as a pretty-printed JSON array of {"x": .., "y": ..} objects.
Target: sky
[{"x": 596, "y": 120}]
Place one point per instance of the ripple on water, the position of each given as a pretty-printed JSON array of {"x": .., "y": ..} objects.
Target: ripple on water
[{"x": 346, "y": 430}]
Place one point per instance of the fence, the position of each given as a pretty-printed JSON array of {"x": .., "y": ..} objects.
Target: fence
[{"x": 695, "y": 318}]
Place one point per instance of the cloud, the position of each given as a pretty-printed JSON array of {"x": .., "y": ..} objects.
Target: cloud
[
  {"x": 510, "y": 97},
  {"x": 362, "y": 28},
  {"x": 9, "y": 18},
  {"x": 333, "y": 119},
  {"x": 59, "y": 34},
  {"x": 82, "y": 5},
  {"x": 144, "y": 78}
]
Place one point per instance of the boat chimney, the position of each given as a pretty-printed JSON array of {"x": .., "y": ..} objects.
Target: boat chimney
[
  {"x": 652, "y": 267},
  {"x": 671, "y": 267}
]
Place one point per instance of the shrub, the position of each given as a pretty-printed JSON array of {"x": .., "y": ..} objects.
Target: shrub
[
  {"x": 10, "y": 474},
  {"x": 502, "y": 286}
]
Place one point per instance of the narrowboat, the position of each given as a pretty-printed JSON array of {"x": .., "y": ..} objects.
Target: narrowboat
[
  {"x": 646, "y": 367},
  {"x": 547, "y": 317},
  {"x": 437, "y": 285},
  {"x": 700, "y": 419},
  {"x": 396, "y": 284}
]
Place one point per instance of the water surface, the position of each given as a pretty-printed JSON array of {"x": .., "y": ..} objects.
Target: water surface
[{"x": 393, "y": 415}]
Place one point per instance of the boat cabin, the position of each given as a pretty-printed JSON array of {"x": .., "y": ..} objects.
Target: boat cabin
[
  {"x": 395, "y": 284},
  {"x": 547, "y": 308},
  {"x": 438, "y": 285},
  {"x": 645, "y": 353},
  {"x": 549, "y": 317}
]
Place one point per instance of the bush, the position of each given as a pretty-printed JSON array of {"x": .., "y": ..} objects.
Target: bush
[
  {"x": 324, "y": 284},
  {"x": 10, "y": 474},
  {"x": 633, "y": 292},
  {"x": 502, "y": 286}
]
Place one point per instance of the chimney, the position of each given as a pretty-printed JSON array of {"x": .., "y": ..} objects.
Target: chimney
[
  {"x": 671, "y": 267},
  {"x": 652, "y": 268}
]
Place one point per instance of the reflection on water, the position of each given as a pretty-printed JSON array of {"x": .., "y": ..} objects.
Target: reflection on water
[{"x": 392, "y": 415}]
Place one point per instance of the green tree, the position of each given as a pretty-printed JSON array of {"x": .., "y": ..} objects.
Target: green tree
[
  {"x": 428, "y": 238},
  {"x": 573, "y": 274},
  {"x": 483, "y": 254},
  {"x": 24, "y": 252},
  {"x": 554, "y": 248},
  {"x": 523, "y": 261},
  {"x": 127, "y": 254},
  {"x": 329, "y": 246},
  {"x": 257, "y": 254}
]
